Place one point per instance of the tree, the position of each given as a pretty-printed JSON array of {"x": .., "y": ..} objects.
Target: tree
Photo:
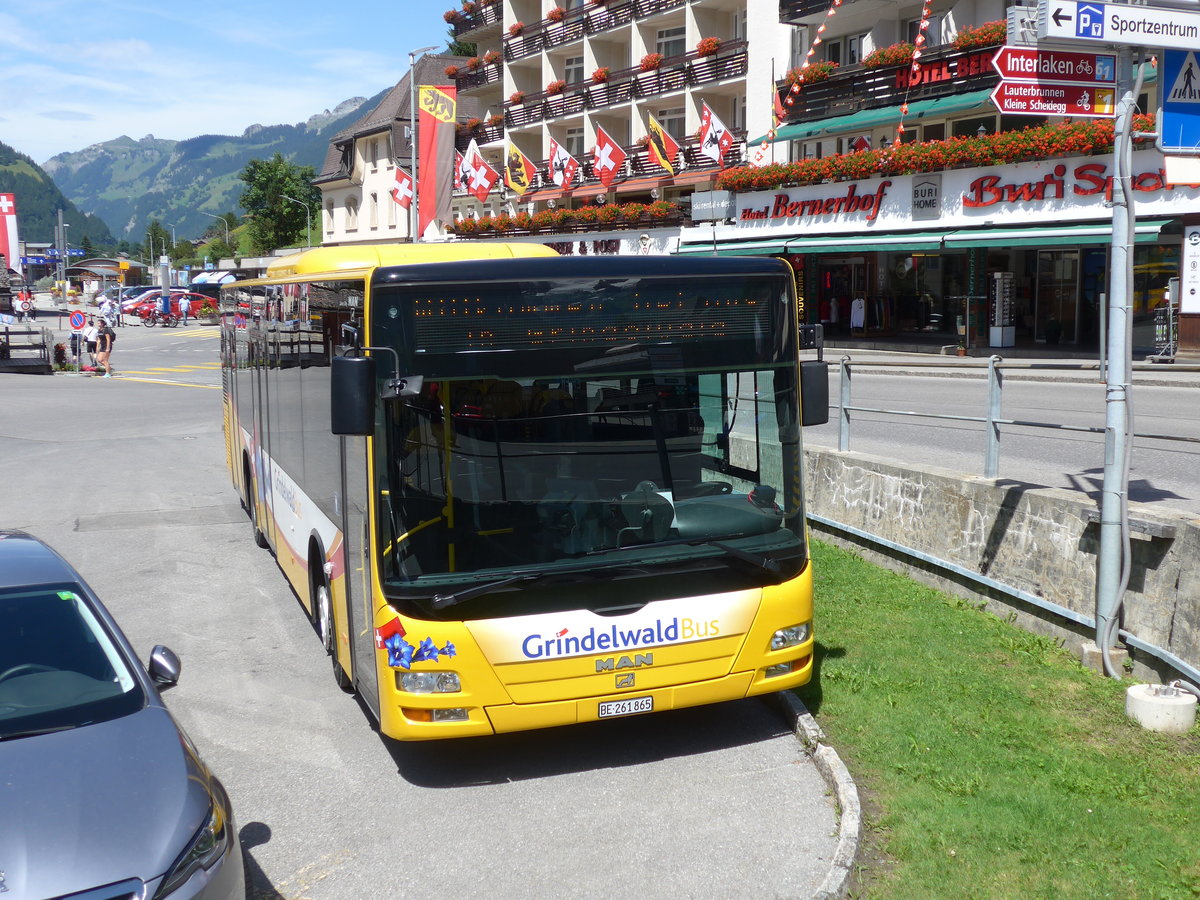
[
  {"x": 455, "y": 47},
  {"x": 217, "y": 250},
  {"x": 275, "y": 221},
  {"x": 88, "y": 248},
  {"x": 157, "y": 240}
]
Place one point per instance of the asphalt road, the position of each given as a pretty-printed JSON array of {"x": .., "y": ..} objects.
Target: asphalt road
[{"x": 126, "y": 477}]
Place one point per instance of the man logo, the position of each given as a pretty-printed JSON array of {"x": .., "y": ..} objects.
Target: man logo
[
  {"x": 613, "y": 664},
  {"x": 625, "y": 681}
]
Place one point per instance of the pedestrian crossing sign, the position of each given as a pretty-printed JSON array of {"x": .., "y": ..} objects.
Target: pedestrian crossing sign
[{"x": 1179, "y": 116}]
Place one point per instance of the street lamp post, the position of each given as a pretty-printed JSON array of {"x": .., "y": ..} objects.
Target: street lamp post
[
  {"x": 307, "y": 217},
  {"x": 223, "y": 221},
  {"x": 413, "y": 218}
]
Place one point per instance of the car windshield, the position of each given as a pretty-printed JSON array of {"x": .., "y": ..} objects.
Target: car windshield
[{"x": 61, "y": 669}]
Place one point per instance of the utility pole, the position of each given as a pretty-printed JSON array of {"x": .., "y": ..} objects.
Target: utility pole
[{"x": 1112, "y": 574}]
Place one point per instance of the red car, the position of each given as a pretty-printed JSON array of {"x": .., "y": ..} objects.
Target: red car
[{"x": 194, "y": 303}]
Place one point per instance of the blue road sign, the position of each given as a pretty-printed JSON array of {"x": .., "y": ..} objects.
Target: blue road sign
[{"x": 1179, "y": 118}]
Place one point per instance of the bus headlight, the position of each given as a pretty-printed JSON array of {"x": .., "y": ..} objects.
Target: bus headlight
[
  {"x": 428, "y": 682},
  {"x": 791, "y": 636}
]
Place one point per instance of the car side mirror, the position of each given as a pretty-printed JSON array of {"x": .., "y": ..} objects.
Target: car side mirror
[{"x": 164, "y": 666}]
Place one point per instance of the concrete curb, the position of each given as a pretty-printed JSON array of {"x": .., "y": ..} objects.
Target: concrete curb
[{"x": 837, "y": 777}]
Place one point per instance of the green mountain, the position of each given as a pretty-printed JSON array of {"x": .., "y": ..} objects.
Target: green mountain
[
  {"x": 128, "y": 183},
  {"x": 39, "y": 200}
]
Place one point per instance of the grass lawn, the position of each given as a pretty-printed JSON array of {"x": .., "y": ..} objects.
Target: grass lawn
[{"x": 991, "y": 764}]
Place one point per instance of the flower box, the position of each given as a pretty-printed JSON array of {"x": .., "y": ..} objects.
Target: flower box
[
  {"x": 600, "y": 75},
  {"x": 556, "y": 14},
  {"x": 708, "y": 46},
  {"x": 650, "y": 62},
  {"x": 555, "y": 87}
]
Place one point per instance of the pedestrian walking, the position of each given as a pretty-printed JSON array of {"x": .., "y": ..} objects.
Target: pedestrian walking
[
  {"x": 90, "y": 335},
  {"x": 185, "y": 306},
  {"x": 107, "y": 337}
]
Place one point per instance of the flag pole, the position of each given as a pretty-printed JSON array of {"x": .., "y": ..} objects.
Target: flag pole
[{"x": 413, "y": 218}]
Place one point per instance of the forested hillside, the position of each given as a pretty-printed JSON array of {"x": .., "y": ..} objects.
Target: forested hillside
[
  {"x": 129, "y": 182},
  {"x": 39, "y": 200}
]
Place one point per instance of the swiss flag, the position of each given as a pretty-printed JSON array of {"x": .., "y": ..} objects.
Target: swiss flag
[
  {"x": 563, "y": 165},
  {"x": 480, "y": 177},
  {"x": 608, "y": 157},
  {"x": 715, "y": 139},
  {"x": 402, "y": 193},
  {"x": 9, "y": 244}
]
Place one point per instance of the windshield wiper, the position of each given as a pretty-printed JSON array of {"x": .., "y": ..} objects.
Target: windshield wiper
[
  {"x": 755, "y": 559},
  {"x": 441, "y": 601},
  {"x": 34, "y": 732}
]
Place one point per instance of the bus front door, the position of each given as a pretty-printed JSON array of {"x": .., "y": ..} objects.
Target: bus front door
[{"x": 359, "y": 594}]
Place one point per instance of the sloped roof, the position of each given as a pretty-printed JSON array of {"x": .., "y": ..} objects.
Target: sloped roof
[{"x": 390, "y": 115}]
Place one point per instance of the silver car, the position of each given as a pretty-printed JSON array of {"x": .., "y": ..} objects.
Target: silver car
[{"x": 101, "y": 792}]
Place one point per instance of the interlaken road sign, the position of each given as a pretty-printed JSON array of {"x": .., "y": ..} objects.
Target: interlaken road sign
[{"x": 1055, "y": 82}]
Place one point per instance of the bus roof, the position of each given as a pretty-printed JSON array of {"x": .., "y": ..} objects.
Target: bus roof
[{"x": 369, "y": 256}]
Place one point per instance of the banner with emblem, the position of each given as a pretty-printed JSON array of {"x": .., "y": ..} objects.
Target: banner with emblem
[
  {"x": 9, "y": 244},
  {"x": 715, "y": 139},
  {"x": 662, "y": 146},
  {"x": 518, "y": 170},
  {"x": 437, "y": 105},
  {"x": 402, "y": 191}
]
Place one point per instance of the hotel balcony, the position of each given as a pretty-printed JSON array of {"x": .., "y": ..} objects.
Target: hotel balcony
[
  {"x": 477, "y": 24},
  {"x": 943, "y": 72},
  {"x": 675, "y": 73},
  {"x": 587, "y": 20}
]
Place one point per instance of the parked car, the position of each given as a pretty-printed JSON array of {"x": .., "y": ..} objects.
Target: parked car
[
  {"x": 194, "y": 301},
  {"x": 100, "y": 787},
  {"x": 140, "y": 296}
]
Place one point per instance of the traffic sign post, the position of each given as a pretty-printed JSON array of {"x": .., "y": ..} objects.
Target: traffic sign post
[
  {"x": 1055, "y": 83},
  {"x": 1118, "y": 23}
]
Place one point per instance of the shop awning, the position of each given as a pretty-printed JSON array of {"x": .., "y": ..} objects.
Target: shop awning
[
  {"x": 1146, "y": 230},
  {"x": 869, "y": 118},
  {"x": 734, "y": 248},
  {"x": 1079, "y": 234}
]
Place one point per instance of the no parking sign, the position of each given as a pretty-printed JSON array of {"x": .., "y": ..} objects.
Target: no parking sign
[{"x": 77, "y": 320}]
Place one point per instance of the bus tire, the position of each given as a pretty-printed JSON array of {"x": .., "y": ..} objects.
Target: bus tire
[
  {"x": 323, "y": 613},
  {"x": 260, "y": 539}
]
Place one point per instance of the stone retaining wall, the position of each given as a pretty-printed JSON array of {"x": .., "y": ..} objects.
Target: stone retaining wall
[{"x": 1038, "y": 540}]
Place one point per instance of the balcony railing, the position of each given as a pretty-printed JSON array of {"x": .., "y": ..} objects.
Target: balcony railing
[
  {"x": 590, "y": 19},
  {"x": 465, "y": 80},
  {"x": 483, "y": 134},
  {"x": 639, "y": 164},
  {"x": 944, "y": 71},
  {"x": 674, "y": 74},
  {"x": 483, "y": 17},
  {"x": 794, "y": 12}
]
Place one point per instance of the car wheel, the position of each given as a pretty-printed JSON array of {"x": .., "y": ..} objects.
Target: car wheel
[{"x": 323, "y": 608}]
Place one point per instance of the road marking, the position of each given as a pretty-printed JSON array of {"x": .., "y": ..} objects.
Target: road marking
[{"x": 210, "y": 387}]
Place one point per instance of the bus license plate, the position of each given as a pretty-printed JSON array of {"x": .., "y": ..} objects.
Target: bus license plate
[{"x": 628, "y": 707}]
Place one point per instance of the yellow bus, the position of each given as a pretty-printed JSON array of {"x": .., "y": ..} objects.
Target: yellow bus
[{"x": 514, "y": 490}]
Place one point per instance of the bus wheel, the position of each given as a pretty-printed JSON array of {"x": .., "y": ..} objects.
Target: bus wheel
[
  {"x": 259, "y": 538},
  {"x": 323, "y": 609}
]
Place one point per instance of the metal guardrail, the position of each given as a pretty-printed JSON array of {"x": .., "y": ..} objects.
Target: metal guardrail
[{"x": 991, "y": 420}]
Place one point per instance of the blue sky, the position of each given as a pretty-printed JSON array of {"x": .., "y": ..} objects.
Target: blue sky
[{"x": 77, "y": 73}]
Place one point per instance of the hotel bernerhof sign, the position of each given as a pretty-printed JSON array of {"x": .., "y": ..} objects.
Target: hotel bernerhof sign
[{"x": 1049, "y": 191}]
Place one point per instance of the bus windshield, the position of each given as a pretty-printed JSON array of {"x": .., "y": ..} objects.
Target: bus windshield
[{"x": 636, "y": 429}]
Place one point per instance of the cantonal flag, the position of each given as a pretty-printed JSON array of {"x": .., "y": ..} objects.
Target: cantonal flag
[
  {"x": 662, "y": 147},
  {"x": 518, "y": 170},
  {"x": 563, "y": 165},
  {"x": 9, "y": 244},
  {"x": 715, "y": 139},
  {"x": 402, "y": 192},
  {"x": 437, "y": 106},
  {"x": 608, "y": 157}
]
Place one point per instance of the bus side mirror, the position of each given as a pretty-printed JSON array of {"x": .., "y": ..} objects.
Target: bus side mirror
[
  {"x": 352, "y": 395},
  {"x": 814, "y": 392}
]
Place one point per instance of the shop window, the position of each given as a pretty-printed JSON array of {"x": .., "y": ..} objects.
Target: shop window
[
  {"x": 974, "y": 127},
  {"x": 1057, "y": 307},
  {"x": 932, "y": 132}
]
